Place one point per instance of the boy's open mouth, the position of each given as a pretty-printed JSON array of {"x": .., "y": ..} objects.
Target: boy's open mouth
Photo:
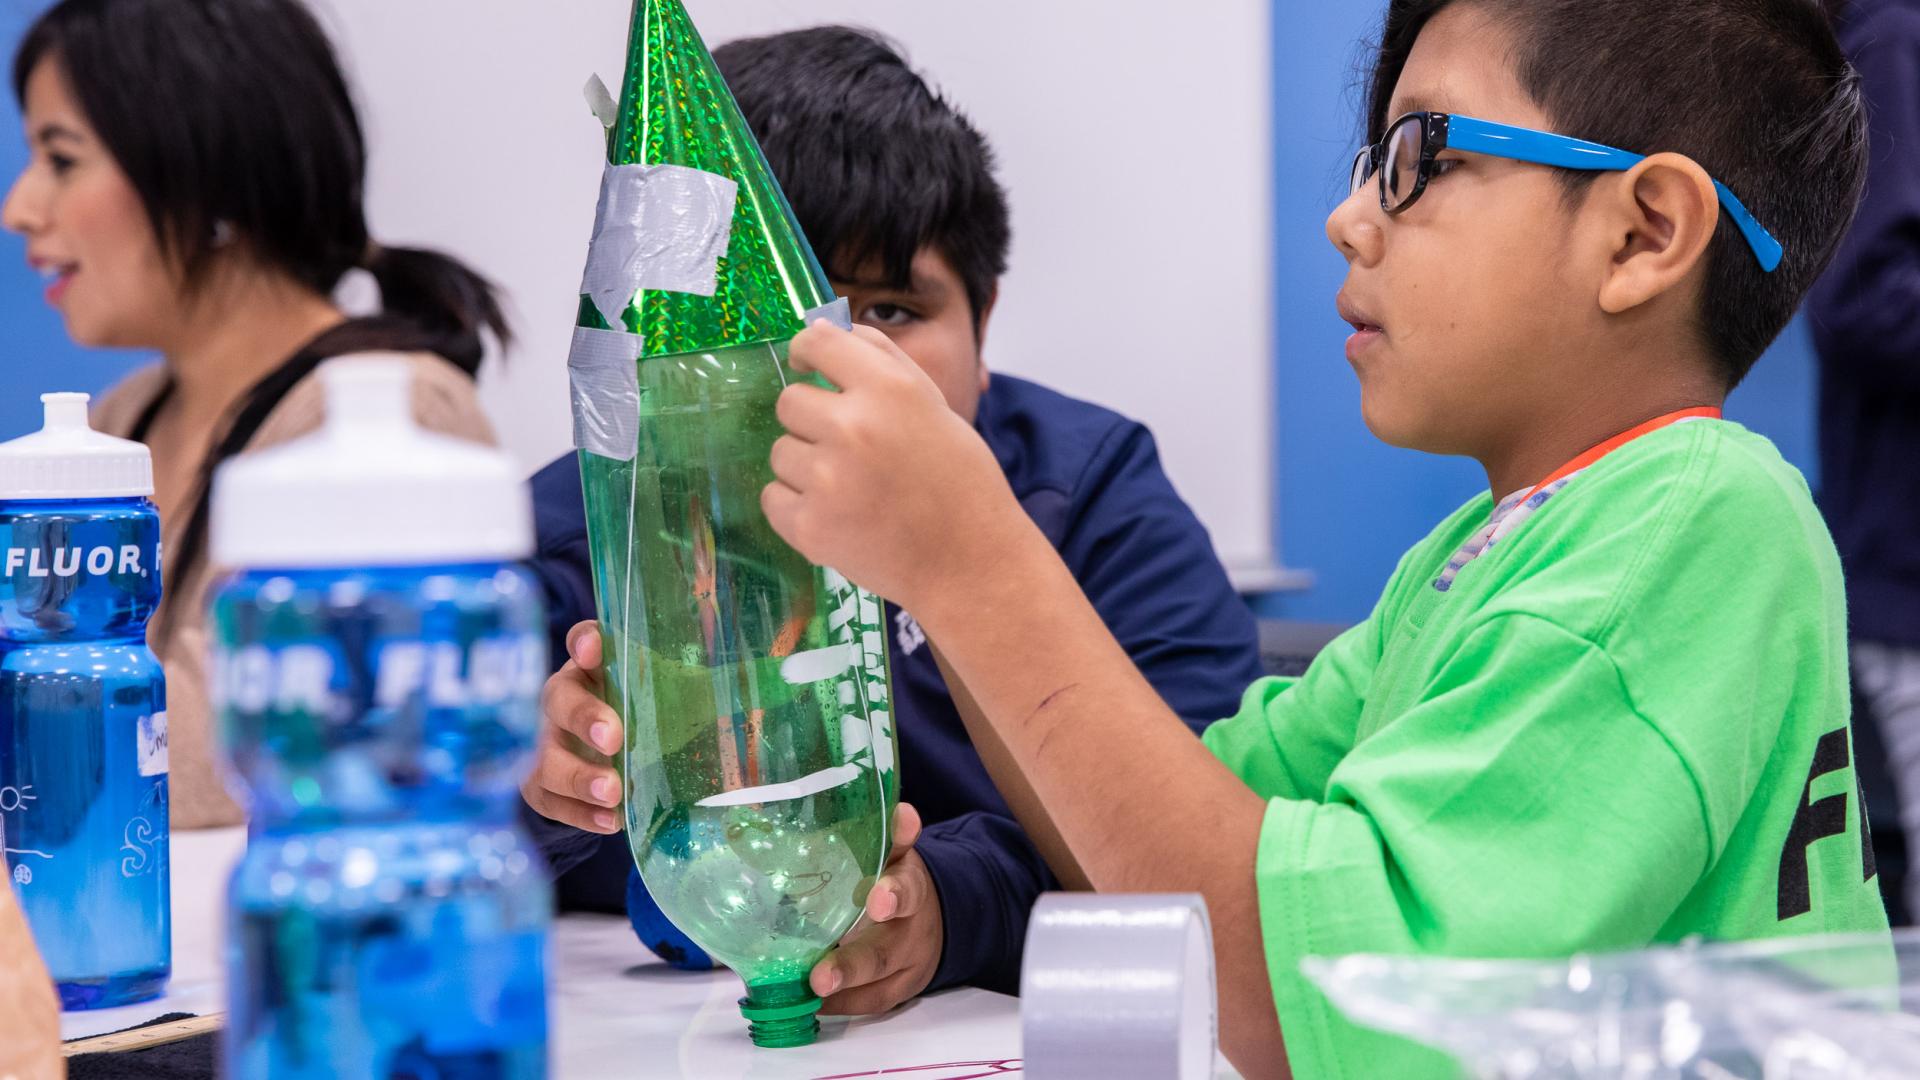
[{"x": 1357, "y": 317}]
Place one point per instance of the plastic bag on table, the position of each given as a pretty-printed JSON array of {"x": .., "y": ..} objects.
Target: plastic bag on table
[{"x": 1806, "y": 1008}]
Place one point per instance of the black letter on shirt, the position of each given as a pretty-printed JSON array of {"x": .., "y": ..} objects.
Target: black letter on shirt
[{"x": 1817, "y": 821}]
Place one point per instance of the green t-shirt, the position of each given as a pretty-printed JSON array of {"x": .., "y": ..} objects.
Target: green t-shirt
[{"x": 1624, "y": 724}]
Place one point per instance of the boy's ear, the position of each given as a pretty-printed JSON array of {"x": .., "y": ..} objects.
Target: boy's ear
[{"x": 1662, "y": 214}]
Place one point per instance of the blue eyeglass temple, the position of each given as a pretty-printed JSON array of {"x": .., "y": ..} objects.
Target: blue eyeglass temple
[{"x": 1562, "y": 151}]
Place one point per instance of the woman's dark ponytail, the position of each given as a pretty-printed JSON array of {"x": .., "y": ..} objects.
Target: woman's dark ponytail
[{"x": 447, "y": 301}]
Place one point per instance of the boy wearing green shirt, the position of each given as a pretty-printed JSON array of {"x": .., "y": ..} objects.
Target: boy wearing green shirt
[{"x": 1602, "y": 706}]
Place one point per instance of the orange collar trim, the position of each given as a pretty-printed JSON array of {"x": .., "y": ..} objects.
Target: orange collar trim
[{"x": 1705, "y": 412}]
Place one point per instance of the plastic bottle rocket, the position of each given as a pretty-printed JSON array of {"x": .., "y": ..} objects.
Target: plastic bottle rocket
[
  {"x": 759, "y": 761},
  {"x": 377, "y": 666},
  {"x": 83, "y": 722}
]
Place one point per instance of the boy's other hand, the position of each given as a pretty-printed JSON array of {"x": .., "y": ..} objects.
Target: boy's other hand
[
  {"x": 891, "y": 954},
  {"x": 572, "y": 781},
  {"x": 880, "y": 479}
]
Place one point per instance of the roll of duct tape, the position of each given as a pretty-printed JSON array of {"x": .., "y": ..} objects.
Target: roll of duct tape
[{"x": 1119, "y": 987}]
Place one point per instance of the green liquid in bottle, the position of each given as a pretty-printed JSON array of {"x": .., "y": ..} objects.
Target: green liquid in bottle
[{"x": 759, "y": 765}]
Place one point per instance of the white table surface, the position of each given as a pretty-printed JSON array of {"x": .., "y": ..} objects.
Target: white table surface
[
  {"x": 614, "y": 1009},
  {"x": 618, "y": 1012}
]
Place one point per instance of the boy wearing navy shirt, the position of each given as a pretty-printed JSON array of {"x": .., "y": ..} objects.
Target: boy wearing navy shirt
[
  {"x": 895, "y": 189},
  {"x": 1865, "y": 316}
]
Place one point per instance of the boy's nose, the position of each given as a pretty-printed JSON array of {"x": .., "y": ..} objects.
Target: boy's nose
[{"x": 1354, "y": 228}]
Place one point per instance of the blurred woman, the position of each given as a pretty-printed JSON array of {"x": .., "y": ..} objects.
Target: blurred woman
[{"x": 195, "y": 188}]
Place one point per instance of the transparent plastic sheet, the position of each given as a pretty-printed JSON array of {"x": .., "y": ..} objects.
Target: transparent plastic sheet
[{"x": 1806, "y": 1008}]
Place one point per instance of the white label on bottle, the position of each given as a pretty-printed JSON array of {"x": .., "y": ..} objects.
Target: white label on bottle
[
  {"x": 153, "y": 744},
  {"x": 816, "y": 664},
  {"x": 810, "y": 784}
]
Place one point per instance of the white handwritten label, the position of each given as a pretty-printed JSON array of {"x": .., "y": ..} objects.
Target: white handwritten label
[{"x": 153, "y": 744}]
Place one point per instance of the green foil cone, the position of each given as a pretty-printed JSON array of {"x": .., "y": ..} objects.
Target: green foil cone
[{"x": 676, "y": 110}]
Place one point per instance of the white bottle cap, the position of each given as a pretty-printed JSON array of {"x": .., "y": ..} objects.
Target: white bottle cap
[
  {"x": 67, "y": 459},
  {"x": 370, "y": 488}
]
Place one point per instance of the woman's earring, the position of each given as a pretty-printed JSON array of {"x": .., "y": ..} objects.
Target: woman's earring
[{"x": 222, "y": 233}]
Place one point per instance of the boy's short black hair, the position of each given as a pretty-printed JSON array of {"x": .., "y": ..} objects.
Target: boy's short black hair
[
  {"x": 1757, "y": 91},
  {"x": 876, "y": 165}
]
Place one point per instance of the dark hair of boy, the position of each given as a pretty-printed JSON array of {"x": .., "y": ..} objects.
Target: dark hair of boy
[
  {"x": 877, "y": 165},
  {"x": 1756, "y": 91}
]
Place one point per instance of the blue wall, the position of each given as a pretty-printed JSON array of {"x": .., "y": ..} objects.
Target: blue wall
[
  {"x": 35, "y": 355},
  {"x": 1349, "y": 506}
]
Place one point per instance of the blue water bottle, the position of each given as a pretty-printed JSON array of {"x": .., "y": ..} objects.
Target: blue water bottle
[
  {"x": 377, "y": 667},
  {"x": 83, "y": 722}
]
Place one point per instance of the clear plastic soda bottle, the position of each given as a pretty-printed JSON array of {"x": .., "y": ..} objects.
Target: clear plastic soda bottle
[
  {"x": 83, "y": 722},
  {"x": 759, "y": 762},
  {"x": 378, "y": 663}
]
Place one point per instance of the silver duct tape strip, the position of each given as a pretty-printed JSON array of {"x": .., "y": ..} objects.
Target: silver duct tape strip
[
  {"x": 835, "y": 311},
  {"x": 600, "y": 100},
  {"x": 606, "y": 392},
  {"x": 662, "y": 227},
  {"x": 1118, "y": 987}
]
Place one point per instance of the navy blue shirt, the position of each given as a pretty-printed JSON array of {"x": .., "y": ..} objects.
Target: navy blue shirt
[
  {"x": 1091, "y": 479},
  {"x": 1865, "y": 315}
]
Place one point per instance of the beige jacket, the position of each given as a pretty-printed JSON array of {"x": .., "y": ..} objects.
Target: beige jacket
[{"x": 444, "y": 400}]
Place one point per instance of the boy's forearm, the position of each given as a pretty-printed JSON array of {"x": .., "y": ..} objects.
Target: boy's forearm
[
  {"x": 1027, "y": 808},
  {"x": 1139, "y": 802},
  {"x": 1085, "y": 729}
]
